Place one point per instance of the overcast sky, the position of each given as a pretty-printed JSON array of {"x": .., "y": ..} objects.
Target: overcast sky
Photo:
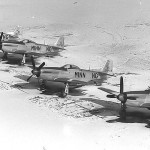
[{"x": 73, "y": 11}]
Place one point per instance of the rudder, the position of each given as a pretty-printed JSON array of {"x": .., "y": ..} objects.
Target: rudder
[
  {"x": 60, "y": 42},
  {"x": 108, "y": 66},
  {"x": 17, "y": 31}
]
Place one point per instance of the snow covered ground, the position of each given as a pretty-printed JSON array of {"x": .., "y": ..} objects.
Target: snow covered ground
[{"x": 94, "y": 31}]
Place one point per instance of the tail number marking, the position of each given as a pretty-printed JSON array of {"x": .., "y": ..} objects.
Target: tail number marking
[
  {"x": 35, "y": 47},
  {"x": 95, "y": 75},
  {"x": 79, "y": 75},
  {"x": 49, "y": 49}
]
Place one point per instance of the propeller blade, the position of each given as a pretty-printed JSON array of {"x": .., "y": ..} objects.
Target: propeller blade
[
  {"x": 111, "y": 96},
  {"x": 33, "y": 62},
  {"x": 41, "y": 66},
  {"x": 1, "y": 41},
  {"x": 1, "y": 46},
  {"x": 29, "y": 78},
  {"x": 121, "y": 85},
  {"x": 1, "y": 36}
]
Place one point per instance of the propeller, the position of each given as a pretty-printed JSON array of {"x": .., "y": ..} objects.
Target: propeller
[
  {"x": 36, "y": 70},
  {"x": 1, "y": 36},
  {"x": 33, "y": 62},
  {"x": 1, "y": 47},
  {"x": 123, "y": 97}
]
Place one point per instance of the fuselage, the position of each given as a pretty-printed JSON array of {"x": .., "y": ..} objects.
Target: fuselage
[
  {"x": 74, "y": 76},
  {"x": 142, "y": 98},
  {"x": 19, "y": 47}
]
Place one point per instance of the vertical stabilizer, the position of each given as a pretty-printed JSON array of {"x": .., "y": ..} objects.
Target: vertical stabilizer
[
  {"x": 17, "y": 32},
  {"x": 108, "y": 68},
  {"x": 60, "y": 42}
]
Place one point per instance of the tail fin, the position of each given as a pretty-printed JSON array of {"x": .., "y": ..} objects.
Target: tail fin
[
  {"x": 17, "y": 32},
  {"x": 108, "y": 68},
  {"x": 60, "y": 42}
]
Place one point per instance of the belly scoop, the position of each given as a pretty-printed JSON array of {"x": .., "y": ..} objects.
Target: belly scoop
[{"x": 54, "y": 86}]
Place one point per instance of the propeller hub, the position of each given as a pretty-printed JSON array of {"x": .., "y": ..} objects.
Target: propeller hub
[
  {"x": 36, "y": 72},
  {"x": 122, "y": 97}
]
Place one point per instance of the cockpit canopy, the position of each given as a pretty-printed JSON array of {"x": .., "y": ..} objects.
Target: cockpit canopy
[
  {"x": 70, "y": 66},
  {"x": 28, "y": 41}
]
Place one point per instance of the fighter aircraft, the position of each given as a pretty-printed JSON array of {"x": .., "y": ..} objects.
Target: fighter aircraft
[
  {"x": 27, "y": 48},
  {"x": 130, "y": 98},
  {"x": 69, "y": 76}
]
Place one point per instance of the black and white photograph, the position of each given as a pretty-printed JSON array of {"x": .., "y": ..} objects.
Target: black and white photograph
[{"x": 74, "y": 74}]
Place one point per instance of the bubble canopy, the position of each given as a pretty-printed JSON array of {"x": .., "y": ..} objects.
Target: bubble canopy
[{"x": 70, "y": 66}]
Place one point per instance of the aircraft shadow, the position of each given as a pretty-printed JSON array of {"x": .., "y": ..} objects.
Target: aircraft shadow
[
  {"x": 103, "y": 108},
  {"x": 25, "y": 86},
  {"x": 76, "y": 92},
  {"x": 25, "y": 77},
  {"x": 108, "y": 108},
  {"x": 137, "y": 116},
  {"x": 17, "y": 61},
  {"x": 32, "y": 84},
  {"x": 73, "y": 92}
]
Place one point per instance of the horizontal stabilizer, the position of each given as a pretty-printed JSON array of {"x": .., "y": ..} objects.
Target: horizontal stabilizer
[
  {"x": 109, "y": 74},
  {"x": 109, "y": 91},
  {"x": 69, "y": 80}
]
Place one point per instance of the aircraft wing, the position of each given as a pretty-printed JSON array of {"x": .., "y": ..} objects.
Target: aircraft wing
[
  {"x": 35, "y": 54},
  {"x": 109, "y": 91},
  {"x": 18, "y": 52},
  {"x": 69, "y": 80},
  {"x": 22, "y": 52}
]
